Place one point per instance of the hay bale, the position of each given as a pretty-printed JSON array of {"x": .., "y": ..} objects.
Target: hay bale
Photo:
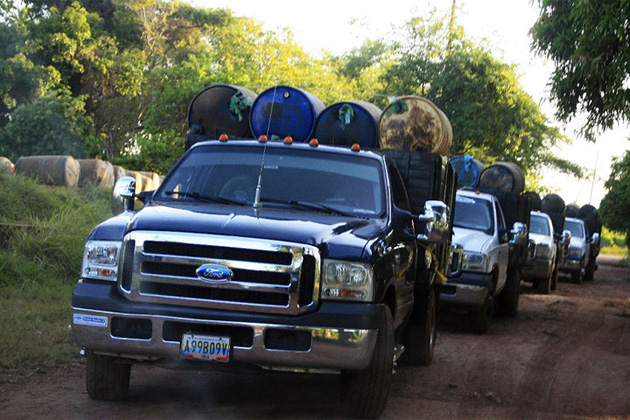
[
  {"x": 6, "y": 166},
  {"x": 50, "y": 170},
  {"x": 96, "y": 172}
]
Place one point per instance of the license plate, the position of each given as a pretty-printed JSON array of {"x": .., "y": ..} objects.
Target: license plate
[{"x": 204, "y": 347}]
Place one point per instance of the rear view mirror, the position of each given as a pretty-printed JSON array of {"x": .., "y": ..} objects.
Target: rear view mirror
[
  {"x": 519, "y": 235},
  {"x": 123, "y": 195},
  {"x": 436, "y": 217}
]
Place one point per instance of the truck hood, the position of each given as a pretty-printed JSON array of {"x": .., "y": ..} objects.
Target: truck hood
[
  {"x": 348, "y": 236},
  {"x": 471, "y": 240},
  {"x": 538, "y": 238}
]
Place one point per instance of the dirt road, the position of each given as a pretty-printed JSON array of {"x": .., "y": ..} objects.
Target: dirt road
[{"x": 566, "y": 355}]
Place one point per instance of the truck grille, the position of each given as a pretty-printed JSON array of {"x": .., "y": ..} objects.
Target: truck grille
[{"x": 269, "y": 277}]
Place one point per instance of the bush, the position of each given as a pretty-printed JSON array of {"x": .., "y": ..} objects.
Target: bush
[{"x": 42, "y": 234}]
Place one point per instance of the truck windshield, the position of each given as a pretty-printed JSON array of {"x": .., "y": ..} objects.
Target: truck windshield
[
  {"x": 575, "y": 228},
  {"x": 539, "y": 225},
  {"x": 309, "y": 180},
  {"x": 473, "y": 213}
]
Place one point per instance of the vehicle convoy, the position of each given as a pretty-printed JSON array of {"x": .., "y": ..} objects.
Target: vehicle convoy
[
  {"x": 542, "y": 266},
  {"x": 487, "y": 258},
  {"x": 271, "y": 254}
]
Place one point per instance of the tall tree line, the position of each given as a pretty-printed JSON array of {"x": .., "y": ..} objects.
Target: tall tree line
[{"x": 114, "y": 79}]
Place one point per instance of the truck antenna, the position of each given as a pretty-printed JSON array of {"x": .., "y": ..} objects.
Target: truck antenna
[{"x": 257, "y": 203}]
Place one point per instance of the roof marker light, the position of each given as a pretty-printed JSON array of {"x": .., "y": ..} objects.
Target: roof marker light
[
  {"x": 223, "y": 137},
  {"x": 356, "y": 147},
  {"x": 288, "y": 140},
  {"x": 262, "y": 139},
  {"x": 313, "y": 143}
]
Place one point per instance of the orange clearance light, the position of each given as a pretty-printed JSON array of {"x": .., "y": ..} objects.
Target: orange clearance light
[
  {"x": 288, "y": 140},
  {"x": 477, "y": 192},
  {"x": 223, "y": 137},
  {"x": 356, "y": 147},
  {"x": 313, "y": 143},
  {"x": 262, "y": 139}
]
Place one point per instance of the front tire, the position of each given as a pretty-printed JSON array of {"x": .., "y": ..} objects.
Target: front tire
[
  {"x": 511, "y": 293},
  {"x": 105, "y": 378},
  {"x": 364, "y": 393},
  {"x": 544, "y": 285},
  {"x": 554, "y": 276},
  {"x": 420, "y": 335},
  {"x": 480, "y": 317}
]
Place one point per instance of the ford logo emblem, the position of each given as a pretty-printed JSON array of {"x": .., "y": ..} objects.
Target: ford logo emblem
[{"x": 214, "y": 273}]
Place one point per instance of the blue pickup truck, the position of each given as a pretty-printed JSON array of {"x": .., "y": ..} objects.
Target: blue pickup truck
[{"x": 273, "y": 255}]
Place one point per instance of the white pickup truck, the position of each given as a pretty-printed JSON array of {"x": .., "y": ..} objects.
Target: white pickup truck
[{"x": 480, "y": 235}]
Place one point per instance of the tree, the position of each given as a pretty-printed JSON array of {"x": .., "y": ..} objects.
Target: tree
[
  {"x": 51, "y": 125},
  {"x": 492, "y": 117},
  {"x": 588, "y": 42},
  {"x": 615, "y": 204}
]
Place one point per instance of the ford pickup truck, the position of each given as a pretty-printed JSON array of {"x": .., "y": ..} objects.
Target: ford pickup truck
[
  {"x": 272, "y": 255},
  {"x": 484, "y": 256}
]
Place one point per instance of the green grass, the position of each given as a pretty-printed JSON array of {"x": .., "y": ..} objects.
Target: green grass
[
  {"x": 42, "y": 234},
  {"x": 613, "y": 243}
]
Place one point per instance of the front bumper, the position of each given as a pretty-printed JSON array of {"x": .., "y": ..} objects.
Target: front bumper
[
  {"x": 538, "y": 268},
  {"x": 466, "y": 290},
  {"x": 337, "y": 336},
  {"x": 570, "y": 265}
]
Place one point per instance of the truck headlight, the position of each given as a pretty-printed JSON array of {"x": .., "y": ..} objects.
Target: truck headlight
[
  {"x": 474, "y": 261},
  {"x": 344, "y": 280},
  {"x": 100, "y": 260},
  {"x": 543, "y": 251}
]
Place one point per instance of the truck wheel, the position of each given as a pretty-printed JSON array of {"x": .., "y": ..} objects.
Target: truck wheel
[
  {"x": 105, "y": 378},
  {"x": 511, "y": 293},
  {"x": 480, "y": 317},
  {"x": 589, "y": 271},
  {"x": 554, "y": 276},
  {"x": 544, "y": 285},
  {"x": 364, "y": 393},
  {"x": 420, "y": 335}
]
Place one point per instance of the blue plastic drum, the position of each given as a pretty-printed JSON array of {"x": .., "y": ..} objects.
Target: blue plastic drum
[{"x": 282, "y": 111}]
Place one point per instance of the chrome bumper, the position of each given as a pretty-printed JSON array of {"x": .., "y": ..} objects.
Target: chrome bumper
[
  {"x": 570, "y": 265},
  {"x": 330, "y": 348},
  {"x": 463, "y": 294},
  {"x": 538, "y": 268}
]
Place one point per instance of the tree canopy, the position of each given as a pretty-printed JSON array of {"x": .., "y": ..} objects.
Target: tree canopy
[
  {"x": 123, "y": 73},
  {"x": 588, "y": 43},
  {"x": 615, "y": 204}
]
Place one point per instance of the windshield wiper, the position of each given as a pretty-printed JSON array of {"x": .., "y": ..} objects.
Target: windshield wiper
[
  {"x": 205, "y": 198},
  {"x": 308, "y": 205}
]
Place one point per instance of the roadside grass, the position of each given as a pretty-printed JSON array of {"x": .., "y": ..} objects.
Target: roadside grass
[
  {"x": 613, "y": 243},
  {"x": 42, "y": 234}
]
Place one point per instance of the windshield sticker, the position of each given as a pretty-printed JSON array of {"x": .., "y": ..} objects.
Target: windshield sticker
[{"x": 466, "y": 200}]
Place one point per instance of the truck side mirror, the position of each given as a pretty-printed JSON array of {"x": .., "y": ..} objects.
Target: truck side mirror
[
  {"x": 123, "y": 195},
  {"x": 595, "y": 239},
  {"x": 519, "y": 235},
  {"x": 456, "y": 260},
  {"x": 436, "y": 217}
]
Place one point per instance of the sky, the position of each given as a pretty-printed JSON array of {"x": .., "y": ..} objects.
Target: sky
[{"x": 337, "y": 26}]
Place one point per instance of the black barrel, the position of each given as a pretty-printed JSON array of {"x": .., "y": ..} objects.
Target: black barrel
[
  {"x": 555, "y": 208},
  {"x": 468, "y": 170},
  {"x": 347, "y": 123},
  {"x": 573, "y": 210},
  {"x": 553, "y": 203},
  {"x": 504, "y": 177},
  {"x": 591, "y": 218},
  {"x": 534, "y": 199},
  {"x": 220, "y": 109}
]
